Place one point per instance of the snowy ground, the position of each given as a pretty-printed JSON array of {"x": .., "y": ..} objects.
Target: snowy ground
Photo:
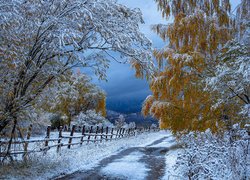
[
  {"x": 127, "y": 167},
  {"x": 87, "y": 157},
  {"x": 147, "y": 161}
]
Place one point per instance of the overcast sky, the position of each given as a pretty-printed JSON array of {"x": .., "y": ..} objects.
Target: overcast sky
[{"x": 121, "y": 80}]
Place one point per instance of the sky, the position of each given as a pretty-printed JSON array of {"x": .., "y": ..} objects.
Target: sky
[{"x": 122, "y": 86}]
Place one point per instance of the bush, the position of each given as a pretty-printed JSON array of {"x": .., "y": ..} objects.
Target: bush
[
  {"x": 207, "y": 156},
  {"x": 57, "y": 120}
]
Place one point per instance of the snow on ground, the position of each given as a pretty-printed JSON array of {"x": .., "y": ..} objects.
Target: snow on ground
[
  {"x": 127, "y": 167},
  {"x": 78, "y": 158},
  {"x": 168, "y": 142},
  {"x": 171, "y": 173}
]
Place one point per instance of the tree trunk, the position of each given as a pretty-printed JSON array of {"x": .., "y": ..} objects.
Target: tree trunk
[
  {"x": 11, "y": 139},
  {"x": 3, "y": 124}
]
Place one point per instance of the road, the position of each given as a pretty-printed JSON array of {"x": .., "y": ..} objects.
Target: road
[{"x": 137, "y": 163}]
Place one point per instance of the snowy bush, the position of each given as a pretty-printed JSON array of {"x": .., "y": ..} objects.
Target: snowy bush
[
  {"x": 57, "y": 120},
  {"x": 153, "y": 126},
  {"x": 207, "y": 156},
  {"x": 91, "y": 117},
  {"x": 120, "y": 122},
  {"x": 129, "y": 125}
]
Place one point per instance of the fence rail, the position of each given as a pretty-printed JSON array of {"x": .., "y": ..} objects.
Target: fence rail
[{"x": 59, "y": 139}]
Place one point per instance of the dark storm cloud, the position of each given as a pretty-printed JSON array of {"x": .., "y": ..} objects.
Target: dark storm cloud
[
  {"x": 121, "y": 80},
  {"x": 122, "y": 84}
]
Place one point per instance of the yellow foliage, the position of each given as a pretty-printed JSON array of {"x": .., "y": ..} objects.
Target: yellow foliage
[
  {"x": 199, "y": 29},
  {"x": 101, "y": 105},
  {"x": 88, "y": 97},
  {"x": 138, "y": 69}
]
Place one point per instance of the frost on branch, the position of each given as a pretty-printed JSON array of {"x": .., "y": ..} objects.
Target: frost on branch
[
  {"x": 207, "y": 156},
  {"x": 41, "y": 40},
  {"x": 232, "y": 75}
]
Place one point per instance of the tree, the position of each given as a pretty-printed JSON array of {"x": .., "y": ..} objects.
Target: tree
[
  {"x": 42, "y": 40},
  {"x": 71, "y": 95},
  {"x": 91, "y": 117},
  {"x": 199, "y": 30},
  {"x": 120, "y": 122},
  {"x": 231, "y": 76}
]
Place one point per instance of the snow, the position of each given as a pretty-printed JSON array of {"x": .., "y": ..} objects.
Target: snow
[
  {"x": 77, "y": 158},
  {"x": 126, "y": 166},
  {"x": 171, "y": 158},
  {"x": 168, "y": 142}
]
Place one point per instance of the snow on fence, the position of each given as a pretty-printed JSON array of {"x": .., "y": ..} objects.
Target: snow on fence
[{"x": 20, "y": 148}]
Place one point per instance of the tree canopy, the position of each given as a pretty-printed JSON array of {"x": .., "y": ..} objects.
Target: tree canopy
[
  {"x": 40, "y": 41},
  {"x": 199, "y": 30}
]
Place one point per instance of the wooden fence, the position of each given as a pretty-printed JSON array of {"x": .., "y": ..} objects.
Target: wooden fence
[{"x": 61, "y": 138}]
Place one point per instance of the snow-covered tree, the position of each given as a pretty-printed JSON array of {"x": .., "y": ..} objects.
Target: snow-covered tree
[
  {"x": 198, "y": 30},
  {"x": 231, "y": 77},
  {"x": 131, "y": 125},
  {"x": 120, "y": 122},
  {"x": 91, "y": 117},
  {"x": 41, "y": 40},
  {"x": 73, "y": 94},
  {"x": 197, "y": 39},
  {"x": 153, "y": 126}
]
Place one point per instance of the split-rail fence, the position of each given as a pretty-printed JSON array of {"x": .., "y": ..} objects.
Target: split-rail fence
[{"x": 78, "y": 135}]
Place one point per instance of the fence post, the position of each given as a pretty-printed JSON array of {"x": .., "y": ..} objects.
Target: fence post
[
  {"x": 107, "y": 131},
  {"x": 27, "y": 143},
  {"x": 117, "y": 133},
  {"x": 123, "y": 130},
  {"x": 91, "y": 128},
  {"x": 97, "y": 128},
  {"x": 120, "y": 133},
  {"x": 47, "y": 138},
  {"x": 71, "y": 135},
  {"x": 101, "y": 134},
  {"x": 128, "y": 132},
  {"x": 112, "y": 130},
  {"x": 83, "y": 133},
  {"x": 59, "y": 139}
]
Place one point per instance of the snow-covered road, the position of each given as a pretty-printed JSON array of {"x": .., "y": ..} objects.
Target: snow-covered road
[
  {"x": 144, "y": 156},
  {"x": 143, "y": 162}
]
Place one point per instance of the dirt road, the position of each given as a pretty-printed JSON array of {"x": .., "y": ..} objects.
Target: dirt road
[{"x": 133, "y": 163}]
